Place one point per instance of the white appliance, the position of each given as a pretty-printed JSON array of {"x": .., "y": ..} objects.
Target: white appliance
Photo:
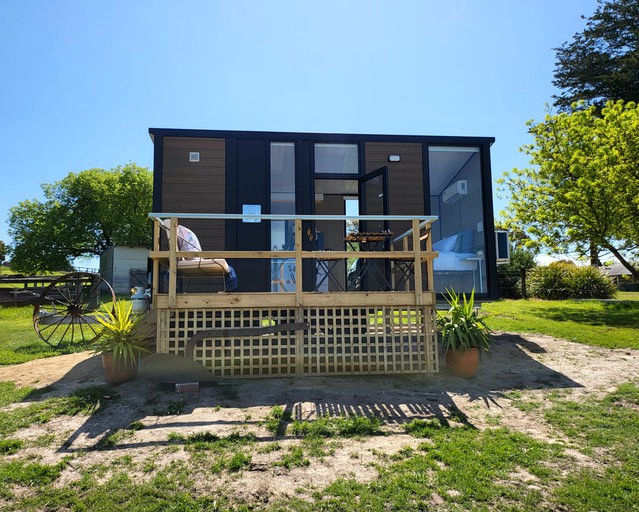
[{"x": 454, "y": 192}]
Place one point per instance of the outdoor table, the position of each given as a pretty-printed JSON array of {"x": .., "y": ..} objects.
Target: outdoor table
[{"x": 370, "y": 242}]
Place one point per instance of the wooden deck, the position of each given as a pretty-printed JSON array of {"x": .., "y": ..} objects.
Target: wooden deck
[{"x": 350, "y": 333}]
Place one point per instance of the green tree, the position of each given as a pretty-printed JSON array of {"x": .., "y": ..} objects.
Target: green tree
[
  {"x": 3, "y": 251},
  {"x": 82, "y": 215},
  {"x": 601, "y": 62},
  {"x": 583, "y": 187}
]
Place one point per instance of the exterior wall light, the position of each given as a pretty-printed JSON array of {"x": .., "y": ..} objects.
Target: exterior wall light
[{"x": 394, "y": 158}]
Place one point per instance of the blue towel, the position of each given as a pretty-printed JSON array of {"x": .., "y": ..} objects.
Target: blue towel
[{"x": 232, "y": 281}]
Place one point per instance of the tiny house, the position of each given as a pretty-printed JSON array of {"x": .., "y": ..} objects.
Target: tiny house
[
  {"x": 340, "y": 242},
  {"x": 234, "y": 172}
]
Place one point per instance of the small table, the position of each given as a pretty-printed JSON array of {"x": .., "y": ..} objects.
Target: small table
[
  {"x": 479, "y": 260},
  {"x": 369, "y": 242},
  {"x": 325, "y": 276}
]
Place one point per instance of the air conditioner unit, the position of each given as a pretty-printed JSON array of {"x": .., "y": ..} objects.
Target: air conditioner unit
[
  {"x": 503, "y": 247},
  {"x": 455, "y": 192}
]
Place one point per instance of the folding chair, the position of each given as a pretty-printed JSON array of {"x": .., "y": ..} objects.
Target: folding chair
[{"x": 197, "y": 267}]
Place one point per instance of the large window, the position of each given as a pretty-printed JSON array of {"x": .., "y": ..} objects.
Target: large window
[
  {"x": 282, "y": 202},
  {"x": 456, "y": 198},
  {"x": 336, "y": 159}
]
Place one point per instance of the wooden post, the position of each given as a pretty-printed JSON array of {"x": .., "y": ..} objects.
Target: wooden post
[
  {"x": 156, "y": 262},
  {"x": 429, "y": 266},
  {"x": 405, "y": 249},
  {"x": 417, "y": 248},
  {"x": 298, "y": 262},
  {"x": 299, "y": 306},
  {"x": 173, "y": 263}
]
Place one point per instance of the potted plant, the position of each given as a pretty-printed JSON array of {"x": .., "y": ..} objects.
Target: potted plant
[
  {"x": 120, "y": 342},
  {"x": 464, "y": 334}
]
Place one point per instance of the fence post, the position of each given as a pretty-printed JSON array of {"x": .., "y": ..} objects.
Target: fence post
[{"x": 524, "y": 295}]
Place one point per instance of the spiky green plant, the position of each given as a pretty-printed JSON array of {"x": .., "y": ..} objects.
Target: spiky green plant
[
  {"x": 463, "y": 326},
  {"x": 120, "y": 334}
]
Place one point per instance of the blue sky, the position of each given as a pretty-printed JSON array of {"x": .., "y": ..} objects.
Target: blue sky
[{"x": 82, "y": 81}]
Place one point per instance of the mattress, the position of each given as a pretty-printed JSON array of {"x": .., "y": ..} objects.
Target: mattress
[{"x": 454, "y": 262}]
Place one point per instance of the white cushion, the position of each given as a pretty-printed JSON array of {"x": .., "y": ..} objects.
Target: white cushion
[{"x": 203, "y": 267}]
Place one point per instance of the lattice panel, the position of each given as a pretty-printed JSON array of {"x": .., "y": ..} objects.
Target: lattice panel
[
  {"x": 340, "y": 341},
  {"x": 370, "y": 340},
  {"x": 252, "y": 356}
]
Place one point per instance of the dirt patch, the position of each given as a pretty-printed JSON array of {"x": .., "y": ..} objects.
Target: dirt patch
[{"x": 520, "y": 377}]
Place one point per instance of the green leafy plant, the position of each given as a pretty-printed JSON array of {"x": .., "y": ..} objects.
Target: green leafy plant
[
  {"x": 565, "y": 280},
  {"x": 463, "y": 326},
  {"x": 120, "y": 335}
]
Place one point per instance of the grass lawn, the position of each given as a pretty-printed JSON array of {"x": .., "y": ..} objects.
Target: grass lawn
[
  {"x": 593, "y": 322},
  {"x": 451, "y": 466},
  {"x": 18, "y": 340}
]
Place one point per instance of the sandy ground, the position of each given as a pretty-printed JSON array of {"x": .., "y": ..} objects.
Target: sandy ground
[{"x": 520, "y": 368}]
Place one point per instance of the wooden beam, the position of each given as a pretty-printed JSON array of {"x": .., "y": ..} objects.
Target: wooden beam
[
  {"x": 298, "y": 262},
  {"x": 288, "y": 300},
  {"x": 417, "y": 265},
  {"x": 173, "y": 262},
  {"x": 429, "y": 266},
  {"x": 155, "y": 288},
  {"x": 321, "y": 255}
]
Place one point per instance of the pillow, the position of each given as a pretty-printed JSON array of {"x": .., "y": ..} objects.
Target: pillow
[
  {"x": 445, "y": 244},
  {"x": 465, "y": 241}
]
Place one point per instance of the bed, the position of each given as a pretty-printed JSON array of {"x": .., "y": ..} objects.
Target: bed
[{"x": 454, "y": 252}]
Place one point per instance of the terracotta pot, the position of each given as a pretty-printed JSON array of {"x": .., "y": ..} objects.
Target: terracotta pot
[
  {"x": 120, "y": 372},
  {"x": 463, "y": 363}
]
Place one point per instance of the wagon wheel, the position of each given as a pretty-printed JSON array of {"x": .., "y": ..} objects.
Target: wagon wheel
[{"x": 65, "y": 313}]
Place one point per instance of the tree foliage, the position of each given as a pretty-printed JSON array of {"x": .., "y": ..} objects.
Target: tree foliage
[
  {"x": 583, "y": 187},
  {"x": 3, "y": 251},
  {"x": 602, "y": 62},
  {"x": 82, "y": 215}
]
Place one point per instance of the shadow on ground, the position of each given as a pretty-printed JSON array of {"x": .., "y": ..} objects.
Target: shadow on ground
[{"x": 396, "y": 399}]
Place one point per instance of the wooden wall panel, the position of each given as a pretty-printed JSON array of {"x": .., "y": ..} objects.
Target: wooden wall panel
[
  {"x": 405, "y": 178},
  {"x": 196, "y": 187}
]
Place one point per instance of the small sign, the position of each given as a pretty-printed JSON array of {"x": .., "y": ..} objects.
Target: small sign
[{"x": 252, "y": 209}]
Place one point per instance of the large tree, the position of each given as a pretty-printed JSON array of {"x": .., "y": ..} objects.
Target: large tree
[
  {"x": 82, "y": 215},
  {"x": 583, "y": 186},
  {"x": 602, "y": 62},
  {"x": 3, "y": 251}
]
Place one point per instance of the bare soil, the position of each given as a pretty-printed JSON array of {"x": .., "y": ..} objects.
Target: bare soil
[{"x": 521, "y": 370}]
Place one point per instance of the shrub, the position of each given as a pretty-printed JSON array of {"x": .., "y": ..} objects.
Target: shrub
[
  {"x": 551, "y": 282},
  {"x": 564, "y": 280},
  {"x": 589, "y": 283}
]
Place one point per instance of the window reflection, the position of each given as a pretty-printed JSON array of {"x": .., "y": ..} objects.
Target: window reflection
[
  {"x": 336, "y": 159},
  {"x": 282, "y": 202},
  {"x": 456, "y": 198}
]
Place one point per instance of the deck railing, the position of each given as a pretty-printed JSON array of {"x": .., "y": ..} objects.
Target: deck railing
[
  {"x": 413, "y": 246},
  {"x": 349, "y": 332}
]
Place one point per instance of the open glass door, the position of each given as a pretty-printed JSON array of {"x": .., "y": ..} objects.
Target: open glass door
[
  {"x": 373, "y": 199},
  {"x": 374, "y": 235}
]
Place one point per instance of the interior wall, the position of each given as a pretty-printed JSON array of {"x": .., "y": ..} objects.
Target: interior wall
[
  {"x": 405, "y": 178},
  {"x": 333, "y": 232}
]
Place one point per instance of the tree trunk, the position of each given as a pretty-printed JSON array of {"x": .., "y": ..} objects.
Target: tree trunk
[
  {"x": 624, "y": 262},
  {"x": 594, "y": 255}
]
